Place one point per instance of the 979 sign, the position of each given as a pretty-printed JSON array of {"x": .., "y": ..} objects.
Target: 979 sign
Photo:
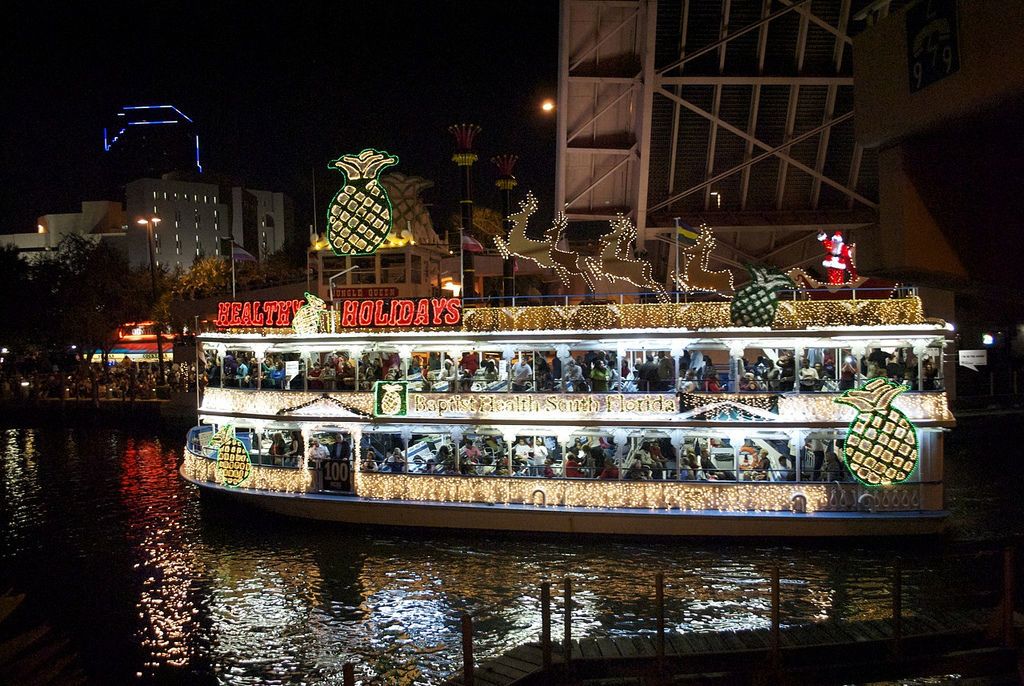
[
  {"x": 933, "y": 51},
  {"x": 336, "y": 475}
]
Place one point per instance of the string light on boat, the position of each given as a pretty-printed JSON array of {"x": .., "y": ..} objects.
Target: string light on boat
[
  {"x": 800, "y": 314},
  {"x": 261, "y": 478},
  {"x": 653, "y": 495}
]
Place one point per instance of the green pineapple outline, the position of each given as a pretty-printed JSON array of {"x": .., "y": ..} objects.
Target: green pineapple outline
[
  {"x": 876, "y": 395},
  {"x": 224, "y": 434},
  {"x": 768, "y": 278},
  {"x": 378, "y": 392},
  {"x": 352, "y": 167}
]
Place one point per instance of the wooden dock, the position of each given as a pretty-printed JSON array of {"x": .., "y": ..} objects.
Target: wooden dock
[
  {"x": 969, "y": 642},
  {"x": 827, "y": 652}
]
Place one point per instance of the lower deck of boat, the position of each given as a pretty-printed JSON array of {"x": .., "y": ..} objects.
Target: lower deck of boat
[{"x": 353, "y": 509}]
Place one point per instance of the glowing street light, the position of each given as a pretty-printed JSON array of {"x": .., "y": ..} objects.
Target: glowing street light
[
  {"x": 150, "y": 225},
  {"x": 548, "y": 105}
]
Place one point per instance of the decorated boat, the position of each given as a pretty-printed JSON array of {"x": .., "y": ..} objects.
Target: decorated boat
[{"x": 704, "y": 409}]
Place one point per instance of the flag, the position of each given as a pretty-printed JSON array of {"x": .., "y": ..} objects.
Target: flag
[
  {"x": 240, "y": 254},
  {"x": 470, "y": 244},
  {"x": 686, "y": 234}
]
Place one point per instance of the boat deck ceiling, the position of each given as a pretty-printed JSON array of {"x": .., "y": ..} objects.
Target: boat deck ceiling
[
  {"x": 386, "y": 423},
  {"x": 704, "y": 337}
]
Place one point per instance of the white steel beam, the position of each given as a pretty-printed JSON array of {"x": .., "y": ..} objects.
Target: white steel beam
[
  {"x": 773, "y": 150},
  {"x": 756, "y": 79},
  {"x": 798, "y": 4},
  {"x": 649, "y": 16},
  {"x": 593, "y": 184},
  {"x": 561, "y": 121},
  {"x": 601, "y": 41},
  {"x": 755, "y": 103},
  {"x": 674, "y": 152},
  {"x": 596, "y": 116},
  {"x": 815, "y": 19}
]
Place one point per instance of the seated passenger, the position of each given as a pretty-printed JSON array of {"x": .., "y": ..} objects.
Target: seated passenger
[
  {"x": 394, "y": 462},
  {"x": 572, "y": 467},
  {"x": 610, "y": 471}
]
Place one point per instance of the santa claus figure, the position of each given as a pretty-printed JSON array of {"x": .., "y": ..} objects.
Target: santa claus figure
[{"x": 838, "y": 261}]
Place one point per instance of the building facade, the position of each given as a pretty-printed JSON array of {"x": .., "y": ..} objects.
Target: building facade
[
  {"x": 195, "y": 216},
  {"x": 98, "y": 220}
]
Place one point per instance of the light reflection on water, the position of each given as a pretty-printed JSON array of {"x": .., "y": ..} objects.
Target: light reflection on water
[{"x": 97, "y": 527}]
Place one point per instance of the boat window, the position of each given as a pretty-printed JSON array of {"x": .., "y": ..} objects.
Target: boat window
[
  {"x": 419, "y": 365},
  {"x": 337, "y": 445},
  {"x": 283, "y": 372},
  {"x": 237, "y": 369},
  {"x": 483, "y": 453},
  {"x": 592, "y": 454},
  {"x": 431, "y": 454},
  {"x": 382, "y": 452},
  {"x": 649, "y": 371},
  {"x": 931, "y": 370},
  {"x": 650, "y": 456},
  {"x": 277, "y": 448},
  {"x": 820, "y": 458},
  {"x": 761, "y": 458},
  {"x": 332, "y": 371},
  {"x": 584, "y": 374},
  {"x": 536, "y": 455},
  {"x": 714, "y": 455},
  {"x": 481, "y": 372}
]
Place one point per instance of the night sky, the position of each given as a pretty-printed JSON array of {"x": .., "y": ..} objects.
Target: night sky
[{"x": 277, "y": 89}]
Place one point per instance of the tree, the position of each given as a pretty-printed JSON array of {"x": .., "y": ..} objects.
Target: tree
[
  {"x": 92, "y": 291},
  {"x": 16, "y": 320}
]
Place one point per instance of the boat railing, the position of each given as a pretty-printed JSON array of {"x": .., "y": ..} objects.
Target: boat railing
[{"x": 624, "y": 297}]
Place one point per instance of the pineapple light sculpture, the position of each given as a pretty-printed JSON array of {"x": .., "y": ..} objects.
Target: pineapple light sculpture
[
  {"x": 390, "y": 398},
  {"x": 359, "y": 217},
  {"x": 881, "y": 443},
  {"x": 755, "y": 304},
  {"x": 307, "y": 318},
  {"x": 233, "y": 463}
]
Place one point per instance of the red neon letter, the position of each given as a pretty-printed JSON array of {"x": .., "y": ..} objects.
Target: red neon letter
[
  {"x": 223, "y": 314},
  {"x": 350, "y": 313},
  {"x": 453, "y": 311}
]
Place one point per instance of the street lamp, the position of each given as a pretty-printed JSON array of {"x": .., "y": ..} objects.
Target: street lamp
[{"x": 150, "y": 225}]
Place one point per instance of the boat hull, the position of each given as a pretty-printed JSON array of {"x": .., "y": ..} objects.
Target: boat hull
[{"x": 586, "y": 521}]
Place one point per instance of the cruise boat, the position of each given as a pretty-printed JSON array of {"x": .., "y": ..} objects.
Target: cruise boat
[{"x": 780, "y": 410}]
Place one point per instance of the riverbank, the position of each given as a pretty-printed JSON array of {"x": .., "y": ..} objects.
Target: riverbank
[{"x": 180, "y": 407}]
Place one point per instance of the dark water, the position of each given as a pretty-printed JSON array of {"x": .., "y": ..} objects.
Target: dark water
[{"x": 149, "y": 584}]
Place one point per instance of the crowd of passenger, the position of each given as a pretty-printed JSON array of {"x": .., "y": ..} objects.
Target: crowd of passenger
[
  {"x": 592, "y": 371},
  {"x": 597, "y": 457}
]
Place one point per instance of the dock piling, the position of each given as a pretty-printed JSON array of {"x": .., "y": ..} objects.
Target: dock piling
[
  {"x": 897, "y": 605},
  {"x": 659, "y": 585},
  {"x": 467, "y": 650},
  {"x": 1008, "y": 596},
  {"x": 348, "y": 674},
  {"x": 545, "y": 623},
  {"x": 776, "y": 641},
  {"x": 567, "y": 641}
]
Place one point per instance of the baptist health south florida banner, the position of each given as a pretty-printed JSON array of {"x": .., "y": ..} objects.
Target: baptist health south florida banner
[{"x": 538, "y": 404}]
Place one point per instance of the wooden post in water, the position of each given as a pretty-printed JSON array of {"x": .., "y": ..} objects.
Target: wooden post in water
[
  {"x": 776, "y": 640},
  {"x": 897, "y": 606},
  {"x": 1008, "y": 595},
  {"x": 659, "y": 586},
  {"x": 348, "y": 674},
  {"x": 545, "y": 624},
  {"x": 567, "y": 641},
  {"x": 467, "y": 650}
]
